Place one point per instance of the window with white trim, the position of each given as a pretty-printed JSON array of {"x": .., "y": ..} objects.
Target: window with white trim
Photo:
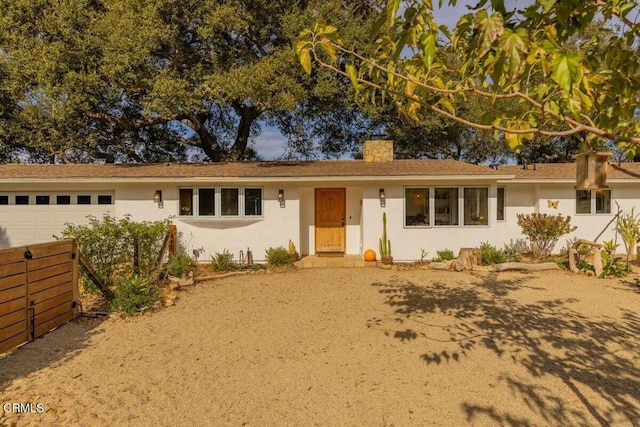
[
  {"x": 446, "y": 206},
  {"x": 500, "y": 204},
  {"x": 220, "y": 202},
  {"x": 416, "y": 207},
  {"x": 476, "y": 206},
  {"x": 593, "y": 201}
]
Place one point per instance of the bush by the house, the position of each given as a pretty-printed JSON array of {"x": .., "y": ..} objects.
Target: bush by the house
[
  {"x": 278, "y": 257},
  {"x": 444, "y": 255},
  {"x": 180, "y": 263},
  {"x": 612, "y": 266},
  {"x": 543, "y": 231},
  {"x": 222, "y": 261},
  {"x": 134, "y": 295},
  {"x": 490, "y": 255},
  {"x": 108, "y": 245}
]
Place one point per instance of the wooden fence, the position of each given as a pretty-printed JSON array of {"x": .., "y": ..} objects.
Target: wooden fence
[{"x": 38, "y": 290}]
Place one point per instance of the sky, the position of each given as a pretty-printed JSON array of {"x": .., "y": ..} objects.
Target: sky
[{"x": 271, "y": 144}]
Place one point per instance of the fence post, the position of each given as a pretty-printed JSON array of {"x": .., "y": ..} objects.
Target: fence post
[
  {"x": 173, "y": 240},
  {"x": 75, "y": 256},
  {"x": 136, "y": 255}
]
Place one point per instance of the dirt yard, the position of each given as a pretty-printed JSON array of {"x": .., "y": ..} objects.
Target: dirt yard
[{"x": 357, "y": 347}]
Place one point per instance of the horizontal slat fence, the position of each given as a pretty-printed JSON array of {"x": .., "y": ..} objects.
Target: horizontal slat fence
[{"x": 38, "y": 290}]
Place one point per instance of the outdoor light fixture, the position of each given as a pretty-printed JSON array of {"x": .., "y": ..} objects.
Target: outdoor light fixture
[
  {"x": 157, "y": 198},
  {"x": 383, "y": 198},
  {"x": 281, "y": 197}
]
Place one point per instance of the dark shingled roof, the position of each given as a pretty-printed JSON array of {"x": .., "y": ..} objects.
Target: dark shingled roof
[
  {"x": 555, "y": 171},
  {"x": 285, "y": 169}
]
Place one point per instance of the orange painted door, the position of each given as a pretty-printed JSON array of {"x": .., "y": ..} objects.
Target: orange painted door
[{"x": 330, "y": 220}]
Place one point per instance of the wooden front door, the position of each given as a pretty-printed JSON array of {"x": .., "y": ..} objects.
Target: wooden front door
[{"x": 330, "y": 220}]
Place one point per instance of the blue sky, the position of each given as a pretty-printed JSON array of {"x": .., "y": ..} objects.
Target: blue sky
[{"x": 271, "y": 144}]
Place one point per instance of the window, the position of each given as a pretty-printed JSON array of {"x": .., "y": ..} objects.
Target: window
[
  {"x": 42, "y": 200},
  {"x": 446, "y": 206},
  {"x": 63, "y": 200},
  {"x": 22, "y": 200},
  {"x": 416, "y": 207},
  {"x": 84, "y": 200},
  {"x": 4, "y": 200},
  {"x": 229, "y": 198},
  {"x": 104, "y": 200},
  {"x": 476, "y": 206},
  {"x": 500, "y": 203},
  {"x": 206, "y": 201},
  {"x": 603, "y": 201},
  {"x": 186, "y": 201},
  {"x": 253, "y": 201}
]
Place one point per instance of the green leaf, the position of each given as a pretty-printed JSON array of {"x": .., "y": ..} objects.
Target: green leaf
[
  {"x": 491, "y": 28},
  {"x": 303, "y": 50},
  {"x": 428, "y": 42},
  {"x": 565, "y": 70},
  {"x": 353, "y": 76},
  {"x": 513, "y": 141}
]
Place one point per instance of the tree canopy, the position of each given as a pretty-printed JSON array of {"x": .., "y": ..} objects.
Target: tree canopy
[
  {"x": 142, "y": 80},
  {"x": 540, "y": 70}
]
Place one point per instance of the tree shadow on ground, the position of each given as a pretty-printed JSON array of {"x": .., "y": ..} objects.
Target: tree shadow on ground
[
  {"x": 594, "y": 359},
  {"x": 55, "y": 347}
]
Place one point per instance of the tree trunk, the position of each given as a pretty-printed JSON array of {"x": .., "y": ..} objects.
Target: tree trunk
[
  {"x": 467, "y": 259},
  {"x": 525, "y": 267},
  {"x": 247, "y": 116}
]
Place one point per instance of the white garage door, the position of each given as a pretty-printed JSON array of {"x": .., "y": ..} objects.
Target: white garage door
[{"x": 27, "y": 218}]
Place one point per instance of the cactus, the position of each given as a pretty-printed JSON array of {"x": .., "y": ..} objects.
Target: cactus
[
  {"x": 292, "y": 248},
  {"x": 384, "y": 244}
]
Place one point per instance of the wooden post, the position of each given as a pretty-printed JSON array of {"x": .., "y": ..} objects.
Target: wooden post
[
  {"x": 173, "y": 240},
  {"x": 75, "y": 255},
  {"x": 136, "y": 256},
  {"x": 94, "y": 276}
]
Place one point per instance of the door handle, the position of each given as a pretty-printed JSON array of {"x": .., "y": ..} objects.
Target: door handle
[{"x": 342, "y": 222}]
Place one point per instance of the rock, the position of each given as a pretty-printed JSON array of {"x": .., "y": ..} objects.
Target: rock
[
  {"x": 169, "y": 302},
  {"x": 174, "y": 286}
]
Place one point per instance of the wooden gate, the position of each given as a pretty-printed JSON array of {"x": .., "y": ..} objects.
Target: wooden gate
[{"x": 38, "y": 290}]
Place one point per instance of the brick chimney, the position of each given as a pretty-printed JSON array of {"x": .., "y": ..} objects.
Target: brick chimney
[{"x": 378, "y": 150}]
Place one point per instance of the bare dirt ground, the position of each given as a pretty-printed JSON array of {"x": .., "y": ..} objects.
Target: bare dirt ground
[{"x": 360, "y": 347}]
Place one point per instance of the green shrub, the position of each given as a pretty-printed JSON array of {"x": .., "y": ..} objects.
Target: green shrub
[
  {"x": 543, "y": 231},
  {"x": 511, "y": 254},
  {"x": 444, "y": 255},
  {"x": 222, "y": 261},
  {"x": 278, "y": 257},
  {"x": 108, "y": 245},
  {"x": 180, "y": 263},
  {"x": 490, "y": 255},
  {"x": 612, "y": 266},
  {"x": 134, "y": 295}
]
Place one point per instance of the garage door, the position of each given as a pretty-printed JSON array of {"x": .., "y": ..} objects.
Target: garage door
[{"x": 28, "y": 218}]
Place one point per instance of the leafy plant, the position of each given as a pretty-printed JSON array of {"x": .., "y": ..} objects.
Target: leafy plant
[
  {"x": 444, "y": 255},
  {"x": 222, "y": 261},
  {"x": 108, "y": 245},
  {"x": 490, "y": 254},
  {"x": 628, "y": 226},
  {"x": 612, "y": 266},
  {"x": 134, "y": 295},
  {"x": 278, "y": 257},
  {"x": 179, "y": 263},
  {"x": 511, "y": 254},
  {"x": 292, "y": 251},
  {"x": 544, "y": 230},
  {"x": 383, "y": 243}
]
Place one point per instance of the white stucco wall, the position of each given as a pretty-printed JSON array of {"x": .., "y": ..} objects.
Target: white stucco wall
[
  {"x": 21, "y": 225},
  {"x": 407, "y": 242},
  {"x": 528, "y": 198},
  {"x": 209, "y": 235}
]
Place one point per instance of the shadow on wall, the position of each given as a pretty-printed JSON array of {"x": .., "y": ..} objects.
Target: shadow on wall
[
  {"x": 4, "y": 239},
  {"x": 592, "y": 357}
]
